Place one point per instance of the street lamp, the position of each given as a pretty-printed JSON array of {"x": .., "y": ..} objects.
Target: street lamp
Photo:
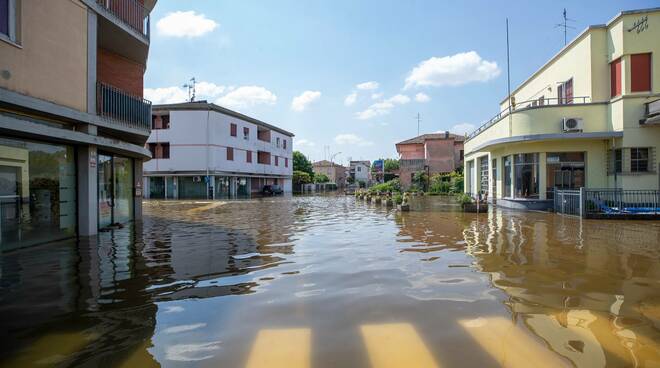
[{"x": 332, "y": 158}]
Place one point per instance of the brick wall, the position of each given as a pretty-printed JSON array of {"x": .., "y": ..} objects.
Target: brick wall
[{"x": 120, "y": 72}]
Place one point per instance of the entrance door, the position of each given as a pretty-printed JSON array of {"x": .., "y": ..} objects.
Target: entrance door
[
  {"x": 9, "y": 204},
  {"x": 106, "y": 190}
]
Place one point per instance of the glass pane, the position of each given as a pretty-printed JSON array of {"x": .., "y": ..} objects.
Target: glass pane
[
  {"x": 156, "y": 187},
  {"x": 105, "y": 190},
  {"x": 242, "y": 187},
  {"x": 170, "y": 187},
  {"x": 192, "y": 187},
  {"x": 526, "y": 172},
  {"x": 507, "y": 177},
  {"x": 123, "y": 204},
  {"x": 222, "y": 187},
  {"x": 37, "y": 193},
  {"x": 4, "y": 17}
]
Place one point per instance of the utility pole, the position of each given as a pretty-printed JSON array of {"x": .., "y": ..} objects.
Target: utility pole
[
  {"x": 565, "y": 25},
  {"x": 508, "y": 76},
  {"x": 419, "y": 118},
  {"x": 191, "y": 89}
]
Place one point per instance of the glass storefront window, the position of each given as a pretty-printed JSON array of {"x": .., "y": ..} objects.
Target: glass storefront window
[
  {"x": 37, "y": 192},
  {"x": 169, "y": 187},
  {"x": 483, "y": 182},
  {"x": 115, "y": 189},
  {"x": 507, "y": 177},
  {"x": 222, "y": 187},
  {"x": 469, "y": 175},
  {"x": 242, "y": 187},
  {"x": 192, "y": 187},
  {"x": 526, "y": 174},
  {"x": 565, "y": 170},
  {"x": 156, "y": 187},
  {"x": 494, "y": 170}
]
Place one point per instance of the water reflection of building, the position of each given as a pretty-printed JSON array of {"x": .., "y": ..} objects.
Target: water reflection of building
[
  {"x": 588, "y": 289},
  {"x": 71, "y": 107}
]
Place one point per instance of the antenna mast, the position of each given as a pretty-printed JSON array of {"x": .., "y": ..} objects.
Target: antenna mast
[
  {"x": 191, "y": 89},
  {"x": 565, "y": 25},
  {"x": 419, "y": 118}
]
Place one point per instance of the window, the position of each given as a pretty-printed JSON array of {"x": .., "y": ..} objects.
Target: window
[
  {"x": 263, "y": 157},
  {"x": 230, "y": 154},
  {"x": 507, "y": 177},
  {"x": 615, "y": 78},
  {"x": 246, "y": 133},
  {"x": 277, "y": 161},
  {"x": 565, "y": 92},
  {"x": 8, "y": 20},
  {"x": 526, "y": 175},
  {"x": 277, "y": 142},
  {"x": 564, "y": 170},
  {"x": 359, "y": 168},
  {"x": 639, "y": 159},
  {"x": 618, "y": 160},
  {"x": 640, "y": 72},
  {"x": 284, "y": 144},
  {"x": 159, "y": 150},
  {"x": 462, "y": 153},
  {"x": 286, "y": 162},
  {"x": 541, "y": 101},
  {"x": 159, "y": 121},
  {"x": 248, "y": 156},
  {"x": 232, "y": 129}
]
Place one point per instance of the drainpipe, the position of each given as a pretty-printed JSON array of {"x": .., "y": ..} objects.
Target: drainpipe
[{"x": 208, "y": 153}]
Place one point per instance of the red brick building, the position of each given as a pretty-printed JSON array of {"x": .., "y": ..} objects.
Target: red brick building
[{"x": 433, "y": 153}]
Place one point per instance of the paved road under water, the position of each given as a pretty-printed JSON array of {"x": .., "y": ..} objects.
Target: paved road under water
[{"x": 335, "y": 282}]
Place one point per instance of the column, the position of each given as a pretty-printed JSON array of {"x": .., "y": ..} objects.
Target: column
[
  {"x": 87, "y": 190},
  {"x": 542, "y": 176},
  {"x": 138, "y": 189}
]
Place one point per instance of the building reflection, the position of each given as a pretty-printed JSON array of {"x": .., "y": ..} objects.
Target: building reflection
[
  {"x": 587, "y": 288},
  {"x": 95, "y": 302}
]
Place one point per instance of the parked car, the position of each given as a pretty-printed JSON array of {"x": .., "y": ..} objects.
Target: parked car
[{"x": 272, "y": 190}]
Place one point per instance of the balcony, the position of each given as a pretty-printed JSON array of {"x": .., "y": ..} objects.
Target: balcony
[
  {"x": 130, "y": 12},
  {"x": 651, "y": 113},
  {"x": 412, "y": 164},
  {"x": 122, "y": 108}
]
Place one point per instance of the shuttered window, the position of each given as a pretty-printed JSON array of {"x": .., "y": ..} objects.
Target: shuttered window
[
  {"x": 230, "y": 154},
  {"x": 615, "y": 78},
  {"x": 232, "y": 129},
  {"x": 248, "y": 157},
  {"x": 640, "y": 73}
]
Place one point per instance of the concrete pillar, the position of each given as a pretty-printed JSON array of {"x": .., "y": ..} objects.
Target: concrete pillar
[
  {"x": 211, "y": 187},
  {"x": 175, "y": 191},
  {"x": 87, "y": 191},
  {"x": 542, "y": 176},
  {"x": 138, "y": 189}
]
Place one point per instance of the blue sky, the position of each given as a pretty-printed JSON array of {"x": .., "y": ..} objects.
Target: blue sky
[{"x": 352, "y": 75}]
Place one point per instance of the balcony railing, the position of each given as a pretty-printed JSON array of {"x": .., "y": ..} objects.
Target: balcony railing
[
  {"x": 131, "y": 12},
  {"x": 540, "y": 102},
  {"x": 123, "y": 108},
  {"x": 412, "y": 164}
]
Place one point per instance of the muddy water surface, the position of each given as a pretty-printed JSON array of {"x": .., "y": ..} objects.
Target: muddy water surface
[{"x": 335, "y": 282}]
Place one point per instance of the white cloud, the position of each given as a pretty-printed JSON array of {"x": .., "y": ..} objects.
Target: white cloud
[
  {"x": 166, "y": 95},
  {"x": 422, "y": 97},
  {"x": 184, "y": 328},
  {"x": 351, "y": 139},
  {"x": 304, "y": 143},
  {"x": 464, "y": 128},
  {"x": 383, "y": 107},
  {"x": 367, "y": 86},
  {"x": 203, "y": 91},
  {"x": 247, "y": 96},
  {"x": 453, "y": 70},
  {"x": 300, "y": 103},
  {"x": 350, "y": 99},
  {"x": 185, "y": 24},
  {"x": 375, "y": 96}
]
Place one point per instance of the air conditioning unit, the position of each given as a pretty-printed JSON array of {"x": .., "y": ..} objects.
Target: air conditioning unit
[{"x": 572, "y": 124}]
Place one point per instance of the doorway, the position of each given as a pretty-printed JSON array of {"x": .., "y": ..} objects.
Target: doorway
[{"x": 115, "y": 190}]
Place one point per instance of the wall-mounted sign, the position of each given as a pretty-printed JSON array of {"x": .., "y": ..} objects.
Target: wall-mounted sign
[
  {"x": 640, "y": 24},
  {"x": 92, "y": 159}
]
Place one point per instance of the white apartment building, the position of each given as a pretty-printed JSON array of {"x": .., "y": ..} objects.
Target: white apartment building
[
  {"x": 204, "y": 151},
  {"x": 360, "y": 171}
]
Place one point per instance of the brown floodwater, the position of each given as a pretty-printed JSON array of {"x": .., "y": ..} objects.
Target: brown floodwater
[{"x": 330, "y": 281}]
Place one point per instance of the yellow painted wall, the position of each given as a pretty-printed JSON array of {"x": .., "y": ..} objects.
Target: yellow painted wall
[{"x": 50, "y": 62}]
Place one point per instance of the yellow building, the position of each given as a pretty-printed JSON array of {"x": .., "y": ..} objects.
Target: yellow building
[
  {"x": 589, "y": 117},
  {"x": 73, "y": 122}
]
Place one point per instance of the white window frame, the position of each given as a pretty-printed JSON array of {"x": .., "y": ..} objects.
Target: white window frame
[{"x": 12, "y": 24}]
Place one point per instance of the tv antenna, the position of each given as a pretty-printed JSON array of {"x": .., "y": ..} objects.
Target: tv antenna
[
  {"x": 419, "y": 119},
  {"x": 191, "y": 89},
  {"x": 565, "y": 25}
]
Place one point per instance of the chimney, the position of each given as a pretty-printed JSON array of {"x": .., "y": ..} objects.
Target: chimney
[{"x": 446, "y": 134}]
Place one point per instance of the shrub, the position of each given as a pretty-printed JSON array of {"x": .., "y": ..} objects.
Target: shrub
[
  {"x": 397, "y": 198},
  {"x": 390, "y": 186},
  {"x": 464, "y": 199}
]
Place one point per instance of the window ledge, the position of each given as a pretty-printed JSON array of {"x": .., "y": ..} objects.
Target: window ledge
[{"x": 10, "y": 41}]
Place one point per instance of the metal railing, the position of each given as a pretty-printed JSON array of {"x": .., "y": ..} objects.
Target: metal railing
[
  {"x": 567, "y": 201},
  {"x": 412, "y": 164},
  {"x": 618, "y": 202},
  {"x": 131, "y": 12},
  {"x": 537, "y": 103},
  {"x": 123, "y": 108}
]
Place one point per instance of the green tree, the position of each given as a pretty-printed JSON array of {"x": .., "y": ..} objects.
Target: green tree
[
  {"x": 391, "y": 164},
  {"x": 321, "y": 178},
  {"x": 301, "y": 177},
  {"x": 350, "y": 180},
  {"x": 301, "y": 163}
]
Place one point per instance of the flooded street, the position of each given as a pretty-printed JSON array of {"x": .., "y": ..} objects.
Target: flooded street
[{"x": 335, "y": 282}]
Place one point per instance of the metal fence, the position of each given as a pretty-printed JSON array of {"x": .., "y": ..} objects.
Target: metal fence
[
  {"x": 608, "y": 203},
  {"x": 617, "y": 202},
  {"x": 131, "y": 12},
  {"x": 567, "y": 202},
  {"x": 123, "y": 108}
]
